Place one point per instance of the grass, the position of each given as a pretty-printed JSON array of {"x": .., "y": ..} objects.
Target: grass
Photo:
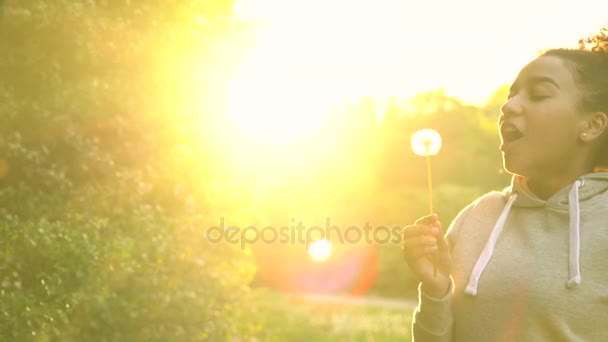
[{"x": 286, "y": 318}]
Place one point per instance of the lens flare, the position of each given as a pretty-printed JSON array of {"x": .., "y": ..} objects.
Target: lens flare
[{"x": 320, "y": 250}]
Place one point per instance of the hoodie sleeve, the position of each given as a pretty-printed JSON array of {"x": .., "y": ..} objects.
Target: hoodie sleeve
[{"x": 433, "y": 318}]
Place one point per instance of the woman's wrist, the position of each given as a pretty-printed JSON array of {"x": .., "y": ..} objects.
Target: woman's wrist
[{"x": 436, "y": 290}]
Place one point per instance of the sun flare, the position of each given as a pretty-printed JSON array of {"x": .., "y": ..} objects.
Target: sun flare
[
  {"x": 306, "y": 62},
  {"x": 272, "y": 107},
  {"x": 320, "y": 250}
]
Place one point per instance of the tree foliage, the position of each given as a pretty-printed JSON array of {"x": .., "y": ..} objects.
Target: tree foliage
[{"x": 105, "y": 173}]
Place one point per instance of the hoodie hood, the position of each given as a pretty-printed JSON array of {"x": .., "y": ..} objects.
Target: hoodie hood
[
  {"x": 592, "y": 184},
  {"x": 581, "y": 192}
]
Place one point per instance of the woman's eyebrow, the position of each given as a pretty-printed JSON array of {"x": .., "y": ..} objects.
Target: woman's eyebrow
[
  {"x": 542, "y": 79},
  {"x": 532, "y": 81}
]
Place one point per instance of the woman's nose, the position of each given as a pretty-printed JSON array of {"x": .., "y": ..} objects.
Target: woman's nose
[{"x": 511, "y": 107}]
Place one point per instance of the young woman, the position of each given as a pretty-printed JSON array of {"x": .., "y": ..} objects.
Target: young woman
[{"x": 529, "y": 263}]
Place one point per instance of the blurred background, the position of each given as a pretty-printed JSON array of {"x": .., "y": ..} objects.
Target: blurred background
[{"x": 130, "y": 128}]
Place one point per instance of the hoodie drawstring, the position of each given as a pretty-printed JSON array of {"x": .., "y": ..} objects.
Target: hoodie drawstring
[
  {"x": 488, "y": 249},
  {"x": 574, "y": 249},
  {"x": 575, "y": 236}
]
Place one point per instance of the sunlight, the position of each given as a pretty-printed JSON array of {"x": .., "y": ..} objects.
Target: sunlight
[
  {"x": 305, "y": 64},
  {"x": 312, "y": 54},
  {"x": 320, "y": 250},
  {"x": 274, "y": 108}
]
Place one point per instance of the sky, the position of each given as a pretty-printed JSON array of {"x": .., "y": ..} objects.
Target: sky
[
  {"x": 316, "y": 53},
  {"x": 388, "y": 47}
]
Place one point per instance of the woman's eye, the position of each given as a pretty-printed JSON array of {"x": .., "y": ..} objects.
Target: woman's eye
[{"x": 538, "y": 97}]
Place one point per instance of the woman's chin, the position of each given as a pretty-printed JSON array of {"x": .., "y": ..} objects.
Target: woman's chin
[{"x": 513, "y": 166}]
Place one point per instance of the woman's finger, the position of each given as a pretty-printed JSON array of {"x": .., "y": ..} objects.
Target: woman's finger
[
  {"x": 427, "y": 220},
  {"x": 419, "y": 241},
  {"x": 416, "y": 253},
  {"x": 415, "y": 230}
]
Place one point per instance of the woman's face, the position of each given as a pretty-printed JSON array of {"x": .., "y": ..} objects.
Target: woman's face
[{"x": 541, "y": 120}]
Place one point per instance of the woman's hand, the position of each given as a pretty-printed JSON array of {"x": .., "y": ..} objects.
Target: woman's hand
[{"x": 419, "y": 243}]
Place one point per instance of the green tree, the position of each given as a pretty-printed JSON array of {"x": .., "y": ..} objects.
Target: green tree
[
  {"x": 492, "y": 106},
  {"x": 107, "y": 111}
]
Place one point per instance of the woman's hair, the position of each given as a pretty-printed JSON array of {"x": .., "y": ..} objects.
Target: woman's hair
[{"x": 590, "y": 61}]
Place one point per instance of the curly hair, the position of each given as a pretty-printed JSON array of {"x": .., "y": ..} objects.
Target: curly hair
[
  {"x": 596, "y": 42},
  {"x": 590, "y": 62}
]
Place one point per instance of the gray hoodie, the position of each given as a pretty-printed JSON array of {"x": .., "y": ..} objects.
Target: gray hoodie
[{"x": 525, "y": 269}]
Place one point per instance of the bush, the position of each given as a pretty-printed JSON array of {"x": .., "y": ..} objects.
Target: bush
[{"x": 104, "y": 179}]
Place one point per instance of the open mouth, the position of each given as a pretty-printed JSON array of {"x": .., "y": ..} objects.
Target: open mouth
[{"x": 510, "y": 133}]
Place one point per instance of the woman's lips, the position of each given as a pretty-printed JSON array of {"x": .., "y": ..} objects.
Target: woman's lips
[{"x": 509, "y": 132}]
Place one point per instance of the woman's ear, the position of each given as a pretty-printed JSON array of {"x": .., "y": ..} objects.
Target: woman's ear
[{"x": 593, "y": 127}]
